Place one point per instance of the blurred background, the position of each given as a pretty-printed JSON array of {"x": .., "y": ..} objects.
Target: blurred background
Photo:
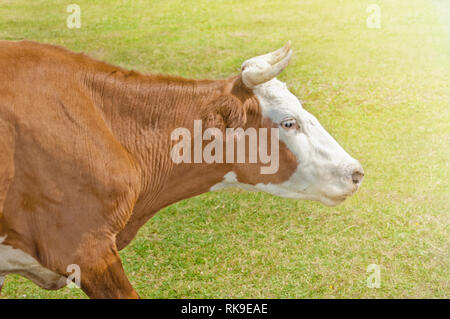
[{"x": 376, "y": 75}]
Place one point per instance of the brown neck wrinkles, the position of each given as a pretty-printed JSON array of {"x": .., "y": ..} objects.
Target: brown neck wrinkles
[{"x": 142, "y": 111}]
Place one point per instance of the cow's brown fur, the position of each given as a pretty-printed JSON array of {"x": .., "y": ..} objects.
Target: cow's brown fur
[{"x": 85, "y": 155}]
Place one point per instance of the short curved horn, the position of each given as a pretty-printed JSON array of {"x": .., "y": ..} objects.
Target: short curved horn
[
  {"x": 265, "y": 67},
  {"x": 276, "y": 56}
]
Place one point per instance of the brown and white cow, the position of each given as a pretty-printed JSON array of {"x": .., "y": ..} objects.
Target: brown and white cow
[{"x": 85, "y": 156}]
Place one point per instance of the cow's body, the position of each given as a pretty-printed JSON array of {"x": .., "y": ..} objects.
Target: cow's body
[{"x": 85, "y": 159}]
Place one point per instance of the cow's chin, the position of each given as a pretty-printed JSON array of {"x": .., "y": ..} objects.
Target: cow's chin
[
  {"x": 332, "y": 201},
  {"x": 326, "y": 200}
]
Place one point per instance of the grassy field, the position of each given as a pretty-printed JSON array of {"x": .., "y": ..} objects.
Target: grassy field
[{"x": 384, "y": 94}]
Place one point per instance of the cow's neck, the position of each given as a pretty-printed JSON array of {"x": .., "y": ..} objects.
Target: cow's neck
[{"x": 141, "y": 112}]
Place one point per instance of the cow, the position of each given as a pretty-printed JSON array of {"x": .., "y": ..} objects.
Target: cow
[{"x": 85, "y": 156}]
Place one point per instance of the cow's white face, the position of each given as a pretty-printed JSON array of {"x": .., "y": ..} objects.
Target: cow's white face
[{"x": 324, "y": 171}]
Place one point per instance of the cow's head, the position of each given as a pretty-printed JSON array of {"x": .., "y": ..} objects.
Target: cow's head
[{"x": 312, "y": 165}]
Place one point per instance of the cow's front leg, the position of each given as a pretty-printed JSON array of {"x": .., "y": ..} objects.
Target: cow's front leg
[
  {"x": 104, "y": 278},
  {"x": 127, "y": 234}
]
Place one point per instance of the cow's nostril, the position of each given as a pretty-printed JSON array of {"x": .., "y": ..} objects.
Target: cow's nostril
[{"x": 357, "y": 176}]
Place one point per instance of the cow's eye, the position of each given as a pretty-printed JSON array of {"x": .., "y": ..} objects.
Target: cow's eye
[{"x": 289, "y": 124}]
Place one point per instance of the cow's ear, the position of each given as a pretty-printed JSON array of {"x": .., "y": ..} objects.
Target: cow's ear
[{"x": 224, "y": 111}]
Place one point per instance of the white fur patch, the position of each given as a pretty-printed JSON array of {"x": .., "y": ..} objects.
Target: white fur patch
[
  {"x": 324, "y": 167},
  {"x": 230, "y": 180}
]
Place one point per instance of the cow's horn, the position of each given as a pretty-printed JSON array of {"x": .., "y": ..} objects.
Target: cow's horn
[
  {"x": 264, "y": 68},
  {"x": 278, "y": 55}
]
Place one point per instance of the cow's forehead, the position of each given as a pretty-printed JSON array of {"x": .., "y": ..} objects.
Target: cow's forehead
[{"x": 277, "y": 102}]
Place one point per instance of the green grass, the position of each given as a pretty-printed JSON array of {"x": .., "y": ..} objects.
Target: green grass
[{"x": 384, "y": 94}]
